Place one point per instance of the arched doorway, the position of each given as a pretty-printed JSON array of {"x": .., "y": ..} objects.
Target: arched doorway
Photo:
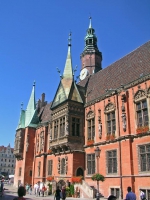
[
  {"x": 79, "y": 172},
  {"x": 61, "y": 183}
]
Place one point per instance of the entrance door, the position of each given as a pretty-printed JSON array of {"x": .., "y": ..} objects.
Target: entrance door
[{"x": 79, "y": 172}]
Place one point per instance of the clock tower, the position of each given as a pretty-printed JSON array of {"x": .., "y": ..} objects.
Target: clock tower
[{"x": 91, "y": 57}]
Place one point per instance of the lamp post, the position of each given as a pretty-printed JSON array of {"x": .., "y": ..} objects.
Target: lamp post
[{"x": 97, "y": 153}]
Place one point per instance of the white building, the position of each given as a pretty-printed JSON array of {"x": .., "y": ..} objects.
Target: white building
[{"x": 7, "y": 160}]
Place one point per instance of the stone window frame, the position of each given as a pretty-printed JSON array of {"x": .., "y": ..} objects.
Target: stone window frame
[
  {"x": 116, "y": 189},
  {"x": 112, "y": 173},
  {"x": 139, "y": 160},
  {"x": 39, "y": 168},
  {"x": 61, "y": 127},
  {"x": 109, "y": 109},
  {"x": 92, "y": 160},
  {"x": 63, "y": 166},
  {"x": 49, "y": 167},
  {"x": 146, "y": 190},
  {"x": 140, "y": 96},
  {"x": 90, "y": 117},
  {"x": 77, "y": 126}
]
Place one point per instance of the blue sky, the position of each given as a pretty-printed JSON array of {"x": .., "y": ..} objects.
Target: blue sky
[{"x": 33, "y": 42}]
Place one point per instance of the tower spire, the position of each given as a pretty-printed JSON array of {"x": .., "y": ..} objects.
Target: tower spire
[
  {"x": 91, "y": 57},
  {"x": 68, "y": 72},
  {"x": 31, "y": 115},
  {"x": 90, "y": 24}
]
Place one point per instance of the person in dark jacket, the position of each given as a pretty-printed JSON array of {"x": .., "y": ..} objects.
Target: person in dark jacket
[{"x": 57, "y": 193}]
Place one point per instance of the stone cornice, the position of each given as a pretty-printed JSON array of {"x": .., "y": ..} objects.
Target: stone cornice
[{"x": 121, "y": 138}]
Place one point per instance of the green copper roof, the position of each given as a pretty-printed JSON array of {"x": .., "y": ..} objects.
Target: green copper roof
[
  {"x": 68, "y": 73},
  {"x": 67, "y": 88},
  {"x": 31, "y": 118},
  {"x": 21, "y": 123}
]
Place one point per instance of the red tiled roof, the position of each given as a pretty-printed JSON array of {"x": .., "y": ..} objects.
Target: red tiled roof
[
  {"x": 46, "y": 114},
  {"x": 123, "y": 71},
  {"x": 4, "y": 148}
]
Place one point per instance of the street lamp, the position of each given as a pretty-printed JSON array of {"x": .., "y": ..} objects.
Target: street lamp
[{"x": 97, "y": 153}]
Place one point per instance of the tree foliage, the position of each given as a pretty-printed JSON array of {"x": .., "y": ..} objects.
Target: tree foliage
[{"x": 98, "y": 177}]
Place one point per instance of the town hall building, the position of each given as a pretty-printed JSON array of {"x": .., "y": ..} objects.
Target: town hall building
[{"x": 107, "y": 111}]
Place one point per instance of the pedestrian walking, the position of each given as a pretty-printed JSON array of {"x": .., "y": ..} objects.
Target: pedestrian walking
[
  {"x": 1, "y": 188},
  {"x": 30, "y": 189},
  {"x": 130, "y": 195},
  {"x": 43, "y": 189},
  {"x": 58, "y": 193},
  {"x": 63, "y": 192},
  {"x": 142, "y": 195}
]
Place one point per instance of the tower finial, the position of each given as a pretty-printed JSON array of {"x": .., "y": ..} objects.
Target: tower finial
[
  {"x": 34, "y": 83},
  {"x": 69, "y": 39},
  {"x": 21, "y": 105},
  {"x": 90, "y": 24}
]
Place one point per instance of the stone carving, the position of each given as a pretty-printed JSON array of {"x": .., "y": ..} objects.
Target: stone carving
[
  {"x": 58, "y": 166},
  {"x": 42, "y": 141},
  {"x": 109, "y": 107},
  {"x": 139, "y": 94},
  {"x": 90, "y": 114},
  {"x": 99, "y": 124},
  {"x": 123, "y": 121},
  {"x": 66, "y": 164},
  {"x": 100, "y": 129}
]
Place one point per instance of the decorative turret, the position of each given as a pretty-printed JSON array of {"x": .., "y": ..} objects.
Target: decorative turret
[
  {"x": 21, "y": 123},
  {"x": 65, "y": 89},
  {"x": 91, "y": 57},
  {"x": 31, "y": 116}
]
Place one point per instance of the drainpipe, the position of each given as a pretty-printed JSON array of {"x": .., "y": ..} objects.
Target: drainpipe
[{"x": 120, "y": 167}]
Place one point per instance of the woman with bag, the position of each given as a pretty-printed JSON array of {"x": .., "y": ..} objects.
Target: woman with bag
[{"x": 58, "y": 193}]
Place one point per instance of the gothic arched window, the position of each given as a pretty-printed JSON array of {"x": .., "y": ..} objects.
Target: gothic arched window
[
  {"x": 91, "y": 125},
  {"x": 63, "y": 166},
  {"x": 141, "y": 108},
  {"x": 110, "y": 118}
]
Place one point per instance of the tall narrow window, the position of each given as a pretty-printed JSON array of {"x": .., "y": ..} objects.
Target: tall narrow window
[
  {"x": 30, "y": 173},
  {"x": 144, "y": 156},
  {"x": 56, "y": 129},
  {"x": 91, "y": 129},
  {"x": 112, "y": 161},
  {"x": 20, "y": 169},
  {"x": 62, "y": 126},
  {"x": 39, "y": 168},
  {"x": 75, "y": 126},
  {"x": 90, "y": 163},
  {"x": 50, "y": 166},
  {"x": 111, "y": 123},
  {"x": 63, "y": 166},
  {"x": 142, "y": 113}
]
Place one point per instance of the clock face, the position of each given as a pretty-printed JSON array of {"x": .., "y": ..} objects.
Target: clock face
[{"x": 84, "y": 72}]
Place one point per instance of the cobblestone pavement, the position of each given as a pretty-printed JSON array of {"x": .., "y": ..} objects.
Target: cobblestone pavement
[{"x": 11, "y": 192}]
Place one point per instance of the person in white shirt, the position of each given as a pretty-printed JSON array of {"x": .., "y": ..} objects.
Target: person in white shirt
[{"x": 142, "y": 195}]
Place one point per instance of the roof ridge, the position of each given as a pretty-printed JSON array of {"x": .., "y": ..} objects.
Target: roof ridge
[{"x": 123, "y": 57}]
